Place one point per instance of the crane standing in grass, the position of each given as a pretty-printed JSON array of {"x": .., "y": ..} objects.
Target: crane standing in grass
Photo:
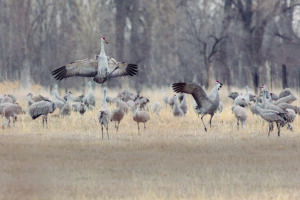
[
  {"x": 104, "y": 115},
  {"x": 42, "y": 108}
]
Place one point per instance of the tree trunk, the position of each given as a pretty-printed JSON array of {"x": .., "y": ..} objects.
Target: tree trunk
[{"x": 284, "y": 77}]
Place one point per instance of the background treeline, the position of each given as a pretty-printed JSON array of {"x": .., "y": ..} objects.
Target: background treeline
[{"x": 239, "y": 42}]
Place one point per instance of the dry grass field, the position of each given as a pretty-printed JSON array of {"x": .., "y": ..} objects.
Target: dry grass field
[{"x": 172, "y": 159}]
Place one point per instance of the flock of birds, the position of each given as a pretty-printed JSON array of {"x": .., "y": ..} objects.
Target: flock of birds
[
  {"x": 274, "y": 109},
  {"x": 270, "y": 107}
]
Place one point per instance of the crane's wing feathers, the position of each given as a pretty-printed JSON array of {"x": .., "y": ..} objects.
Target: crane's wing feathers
[
  {"x": 121, "y": 68},
  {"x": 191, "y": 88},
  {"x": 83, "y": 68}
]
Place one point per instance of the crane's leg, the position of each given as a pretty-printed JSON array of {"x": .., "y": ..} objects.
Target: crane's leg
[
  {"x": 203, "y": 123},
  {"x": 102, "y": 130},
  {"x": 43, "y": 118},
  {"x": 138, "y": 128},
  {"x": 211, "y": 116},
  {"x": 278, "y": 128},
  {"x": 15, "y": 119},
  {"x": 46, "y": 120},
  {"x": 144, "y": 126},
  {"x": 270, "y": 127},
  {"x": 107, "y": 131},
  {"x": 8, "y": 122},
  {"x": 118, "y": 126},
  {"x": 238, "y": 124}
]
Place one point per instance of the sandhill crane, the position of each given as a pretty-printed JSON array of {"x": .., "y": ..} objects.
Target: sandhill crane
[
  {"x": 42, "y": 108},
  {"x": 177, "y": 112},
  {"x": 156, "y": 107},
  {"x": 59, "y": 102},
  {"x": 271, "y": 116},
  {"x": 206, "y": 104},
  {"x": 141, "y": 101},
  {"x": 118, "y": 114},
  {"x": 285, "y": 92},
  {"x": 183, "y": 105},
  {"x": 291, "y": 115},
  {"x": 287, "y": 99},
  {"x": 101, "y": 69},
  {"x": 78, "y": 107},
  {"x": 10, "y": 110},
  {"x": 126, "y": 95},
  {"x": 104, "y": 115},
  {"x": 89, "y": 100},
  {"x": 274, "y": 97},
  {"x": 171, "y": 101},
  {"x": 241, "y": 101},
  {"x": 8, "y": 99},
  {"x": 32, "y": 99},
  {"x": 233, "y": 95},
  {"x": 66, "y": 109},
  {"x": 240, "y": 115},
  {"x": 140, "y": 116}
]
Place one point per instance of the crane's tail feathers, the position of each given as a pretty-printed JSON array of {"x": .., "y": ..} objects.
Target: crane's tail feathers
[
  {"x": 178, "y": 87},
  {"x": 132, "y": 69},
  {"x": 35, "y": 116},
  {"x": 59, "y": 73}
]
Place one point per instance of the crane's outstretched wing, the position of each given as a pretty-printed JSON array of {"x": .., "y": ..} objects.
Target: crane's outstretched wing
[
  {"x": 191, "y": 88},
  {"x": 118, "y": 69},
  {"x": 82, "y": 68}
]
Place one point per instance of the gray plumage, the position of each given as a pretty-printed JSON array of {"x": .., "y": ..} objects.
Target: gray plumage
[
  {"x": 66, "y": 109},
  {"x": 171, "y": 101},
  {"x": 287, "y": 99},
  {"x": 183, "y": 105},
  {"x": 90, "y": 100},
  {"x": 102, "y": 68},
  {"x": 141, "y": 116},
  {"x": 141, "y": 101},
  {"x": 177, "y": 112},
  {"x": 59, "y": 102},
  {"x": 233, "y": 95},
  {"x": 104, "y": 115},
  {"x": 206, "y": 104},
  {"x": 32, "y": 99},
  {"x": 285, "y": 92},
  {"x": 274, "y": 96},
  {"x": 240, "y": 114},
  {"x": 156, "y": 107},
  {"x": 7, "y": 99},
  {"x": 10, "y": 110},
  {"x": 41, "y": 108},
  {"x": 241, "y": 101},
  {"x": 118, "y": 114},
  {"x": 78, "y": 107},
  {"x": 272, "y": 116}
]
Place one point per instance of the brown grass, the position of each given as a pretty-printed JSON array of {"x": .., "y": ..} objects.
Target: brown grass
[{"x": 172, "y": 159}]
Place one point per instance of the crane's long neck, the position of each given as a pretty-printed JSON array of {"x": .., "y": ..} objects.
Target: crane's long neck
[
  {"x": 214, "y": 92},
  {"x": 102, "y": 51},
  {"x": 69, "y": 98},
  {"x": 264, "y": 98},
  {"x": 257, "y": 107}
]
